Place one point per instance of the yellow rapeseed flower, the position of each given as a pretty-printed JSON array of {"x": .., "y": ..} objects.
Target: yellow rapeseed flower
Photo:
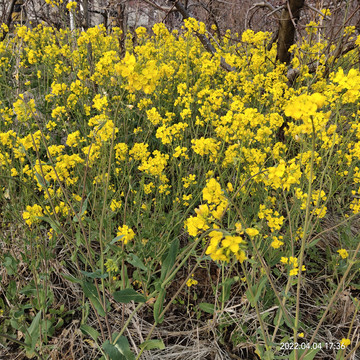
[
  {"x": 343, "y": 253},
  {"x": 128, "y": 233},
  {"x": 345, "y": 342},
  {"x": 252, "y": 232}
]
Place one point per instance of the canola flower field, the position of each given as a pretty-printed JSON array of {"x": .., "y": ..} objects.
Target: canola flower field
[{"x": 158, "y": 180}]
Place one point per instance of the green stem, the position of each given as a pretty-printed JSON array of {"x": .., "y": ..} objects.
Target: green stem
[
  {"x": 304, "y": 237},
  {"x": 264, "y": 332}
]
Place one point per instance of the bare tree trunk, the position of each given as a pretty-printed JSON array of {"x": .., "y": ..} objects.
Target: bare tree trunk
[
  {"x": 86, "y": 14},
  {"x": 121, "y": 23},
  {"x": 8, "y": 18},
  {"x": 288, "y": 19}
]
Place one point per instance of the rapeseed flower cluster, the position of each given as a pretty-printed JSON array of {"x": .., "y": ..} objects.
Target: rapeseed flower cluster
[
  {"x": 134, "y": 133},
  {"x": 292, "y": 262}
]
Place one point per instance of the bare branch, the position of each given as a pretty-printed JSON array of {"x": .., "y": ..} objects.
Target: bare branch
[
  {"x": 8, "y": 19},
  {"x": 204, "y": 40},
  {"x": 316, "y": 10},
  {"x": 261, "y": 5},
  {"x": 165, "y": 9}
]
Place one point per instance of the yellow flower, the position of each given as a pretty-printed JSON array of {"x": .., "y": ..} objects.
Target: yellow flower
[
  {"x": 343, "y": 253},
  {"x": 31, "y": 214},
  {"x": 252, "y": 232},
  {"x": 189, "y": 180},
  {"x": 294, "y": 272},
  {"x": 232, "y": 242},
  {"x": 195, "y": 224},
  {"x": 276, "y": 243},
  {"x": 128, "y": 233},
  {"x": 326, "y": 12},
  {"x": 345, "y": 342},
  {"x": 191, "y": 281},
  {"x": 71, "y": 5},
  {"x": 115, "y": 205},
  {"x": 111, "y": 266},
  {"x": 212, "y": 192},
  {"x": 238, "y": 228},
  {"x": 100, "y": 103}
]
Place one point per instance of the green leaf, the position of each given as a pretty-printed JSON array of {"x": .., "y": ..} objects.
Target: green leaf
[
  {"x": 135, "y": 261},
  {"x": 91, "y": 292},
  {"x": 10, "y": 264},
  {"x": 277, "y": 316},
  {"x": 86, "y": 311},
  {"x": 312, "y": 243},
  {"x": 29, "y": 289},
  {"x": 169, "y": 260},
  {"x": 309, "y": 355},
  {"x": 152, "y": 344},
  {"x": 90, "y": 331},
  {"x": 112, "y": 242},
  {"x": 112, "y": 351},
  {"x": 95, "y": 275},
  {"x": 226, "y": 287},
  {"x": 158, "y": 307},
  {"x": 268, "y": 355},
  {"x": 292, "y": 321},
  {"x": 83, "y": 209},
  {"x": 71, "y": 278},
  {"x": 116, "y": 239},
  {"x": 124, "y": 348},
  {"x": 207, "y": 307},
  {"x": 127, "y": 295},
  {"x": 40, "y": 179},
  {"x": 120, "y": 350},
  {"x": 256, "y": 290},
  {"x": 33, "y": 333},
  {"x": 54, "y": 225}
]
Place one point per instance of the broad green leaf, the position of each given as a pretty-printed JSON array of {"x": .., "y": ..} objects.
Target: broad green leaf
[
  {"x": 312, "y": 243},
  {"x": 124, "y": 348},
  {"x": 309, "y": 355},
  {"x": 116, "y": 239},
  {"x": 226, "y": 287},
  {"x": 71, "y": 278},
  {"x": 135, "y": 261},
  {"x": 268, "y": 355},
  {"x": 169, "y": 259},
  {"x": 158, "y": 307},
  {"x": 90, "y": 291},
  {"x": 29, "y": 289},
  {"x": 206, "y": 307},
  {"x": 40, "y": 179},
  {"x": 54, "y": 225},
  {"x": 33, "y": 333},
  {"x": 112, "y": 351},
  {"x": 95, "y": 275},
  {"x": 10, "y": 264},
  {"x": 34, "y": 327},
  {"x": 152, "y": 344},
  {"x": 276, "y": 319},
  {"x": 83, "y": 209},
  {"x": 127, "y": 295},
  {"x": 90, "y": 331},
  {"x": 120, "y": 350},
  {"x": 112, "y": 242},
  {"x": 256, "y": 290}
]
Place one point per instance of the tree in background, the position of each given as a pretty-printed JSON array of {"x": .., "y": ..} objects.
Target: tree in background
[{"x": 287, "y": 19}]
